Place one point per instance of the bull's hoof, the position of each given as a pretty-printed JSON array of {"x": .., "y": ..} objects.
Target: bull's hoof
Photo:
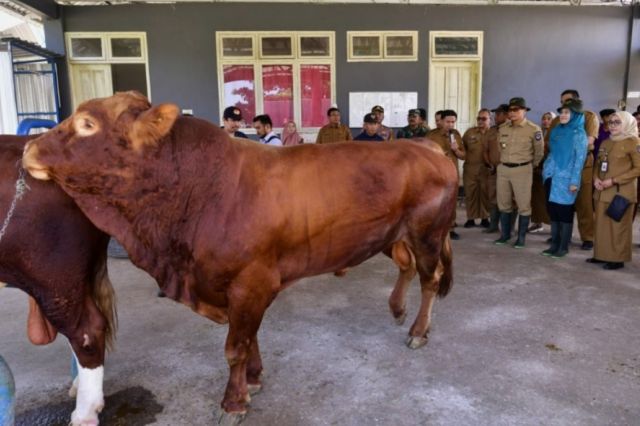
[
  {"x": 415, "y": 342},
  {"x": 230, "y": 419},
  {"x": 254, "y": 388},
  {"x": 400, "y": 318}
]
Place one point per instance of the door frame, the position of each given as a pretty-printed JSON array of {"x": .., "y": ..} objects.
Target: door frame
[{"x": 437, "y": 59}]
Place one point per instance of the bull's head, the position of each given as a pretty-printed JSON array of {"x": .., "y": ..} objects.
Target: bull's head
[{"x": 111, "y": 130}]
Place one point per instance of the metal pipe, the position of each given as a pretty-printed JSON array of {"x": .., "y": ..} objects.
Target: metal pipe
[{"x": 625, "y": 88}]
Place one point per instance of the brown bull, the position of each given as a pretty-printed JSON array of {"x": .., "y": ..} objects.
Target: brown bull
[
  {"x": 52, "y": 252},
  {"x": 224, "y": 224}
]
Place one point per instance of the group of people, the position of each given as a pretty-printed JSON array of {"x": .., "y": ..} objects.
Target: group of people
[
  {"x": 518, "y": 171},
  {"x": 232, "y": 120}
]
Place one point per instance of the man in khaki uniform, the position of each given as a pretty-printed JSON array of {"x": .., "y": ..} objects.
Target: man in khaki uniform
[
  {"x": 450, "y": 141},
  {"x": 474, "y": 175},
  {"x": 335, "y": 131},
  {"x": 384, "y": 131},
  {"x": 492, "y": 159},
  {"x": 584, "y": 202},
  {"x": 521, "y": 149}
]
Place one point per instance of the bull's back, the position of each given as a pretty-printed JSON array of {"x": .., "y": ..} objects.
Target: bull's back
[{"x": 329, "y": 206}]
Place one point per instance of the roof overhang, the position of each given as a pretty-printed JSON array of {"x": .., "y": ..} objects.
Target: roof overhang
[{"x": 405, "y": 2}]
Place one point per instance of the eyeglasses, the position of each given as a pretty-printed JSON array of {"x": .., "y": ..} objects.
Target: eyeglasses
[
  {"x": 615, "y": 122},
  {"x": 482, "y": 118},
  {"x": 514, "y": 109}
]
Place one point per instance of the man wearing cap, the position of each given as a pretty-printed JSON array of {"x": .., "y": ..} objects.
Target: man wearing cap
[
  {"x": 521, "y": 149},
  {"x": 474, "y": 175},
  {"x": 417, "y": 127},
  {"x": 450, "y": 141},
  {"x": 264, "y": 130},
  {"x": 231, "y": 121},
  {"x": 370, "y": 132},
  {"x": 584, "y": 202},
  {"x": 335, "y": 131},
  {"x": 384, "y": 131},
  {"x": 492, "y": 159}
]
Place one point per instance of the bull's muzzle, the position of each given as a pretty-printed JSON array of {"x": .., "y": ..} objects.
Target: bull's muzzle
[{"x": 31, "y": 165}]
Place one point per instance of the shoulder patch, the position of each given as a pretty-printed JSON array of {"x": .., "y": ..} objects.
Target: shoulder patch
[{"x": 538, "y": 135}]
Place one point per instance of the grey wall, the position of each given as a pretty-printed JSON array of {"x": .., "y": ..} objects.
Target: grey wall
[{"x": 534, "y": 52}]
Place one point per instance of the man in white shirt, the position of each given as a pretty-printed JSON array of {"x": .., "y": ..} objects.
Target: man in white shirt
[{"x": 263, "y": 125}]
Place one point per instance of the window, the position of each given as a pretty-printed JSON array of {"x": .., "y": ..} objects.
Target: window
[
  {"x": 101, "y": 64},
  {"x": 382, "y": 46},
  {"x": 288, "y": 75},
  {"x": 458, "y": 44}
]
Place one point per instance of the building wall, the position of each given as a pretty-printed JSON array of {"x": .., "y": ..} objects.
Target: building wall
[{"x": 529, "y": 51}]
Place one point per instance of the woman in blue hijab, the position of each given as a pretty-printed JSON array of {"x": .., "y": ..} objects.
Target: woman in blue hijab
[{"x": 561, "y": 174}]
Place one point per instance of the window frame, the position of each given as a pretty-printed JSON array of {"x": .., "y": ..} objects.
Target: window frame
[
  {"x": 383, "y": 37},
  {"x": 257, "y": 61},
  {"x": 479, "y": 35},
  {"x": 107, "y": 58}
]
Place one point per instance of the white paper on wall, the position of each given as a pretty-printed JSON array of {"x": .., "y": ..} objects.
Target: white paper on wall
[{"x": 395, "y": 104}]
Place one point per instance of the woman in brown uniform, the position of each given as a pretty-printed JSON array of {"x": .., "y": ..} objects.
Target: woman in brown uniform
[
  {"x": 617, "y": 168},
  {"x": 539, "y": 214}
]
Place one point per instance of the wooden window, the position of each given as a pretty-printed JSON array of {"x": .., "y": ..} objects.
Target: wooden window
[
  {"x": 291, "y": 77},
  {"x": 379, "y": 46},
  {"x": 456, "y": 44}
]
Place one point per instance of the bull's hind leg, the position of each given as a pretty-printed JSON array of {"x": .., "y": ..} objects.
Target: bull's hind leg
[
  {"x": 254, "y": 367},
  {"x": 403, "y": 257},
  {"x": 430, "y": 269}
]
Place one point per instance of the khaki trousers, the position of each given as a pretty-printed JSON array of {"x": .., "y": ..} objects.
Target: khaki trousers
[
  {"x": 475, "y": 190},
  {"x": 584, "y": 201},
  {"x": 515, "y": 182}
]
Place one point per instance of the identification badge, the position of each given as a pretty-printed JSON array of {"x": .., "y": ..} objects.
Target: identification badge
[
  {"x": 503, "y": 145},
  {"x": 604, "y": 166}
]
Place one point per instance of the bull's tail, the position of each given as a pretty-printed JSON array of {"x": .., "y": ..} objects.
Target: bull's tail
[
  {"x": 105, "y": 299},
  {"x": 446, "y": 259}
]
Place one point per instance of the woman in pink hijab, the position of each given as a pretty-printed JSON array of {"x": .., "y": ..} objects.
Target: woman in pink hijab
[{"x": 290, "y": 134}]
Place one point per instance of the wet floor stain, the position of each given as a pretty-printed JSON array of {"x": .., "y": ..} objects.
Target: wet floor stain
[{"x": 135, "y": 406}]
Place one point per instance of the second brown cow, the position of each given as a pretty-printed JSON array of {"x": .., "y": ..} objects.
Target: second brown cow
[{"x": 224, "y": 225}]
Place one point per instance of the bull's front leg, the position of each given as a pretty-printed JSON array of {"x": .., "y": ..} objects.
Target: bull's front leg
[{"x": 249, "y": 296}]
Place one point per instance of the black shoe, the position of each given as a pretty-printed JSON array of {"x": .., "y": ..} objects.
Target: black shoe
[
  {"x": 594, "y": 260},
  {"x": 469, "y": 224},
  {"x": 549, "y": 240},
  {"x": 485, "y": 223},
  {"x": 587, "y": 245},
  {"x": 161, "y": 294},
  {"x": 454, "y": 235},
  {"x": 613, "y": 265}
]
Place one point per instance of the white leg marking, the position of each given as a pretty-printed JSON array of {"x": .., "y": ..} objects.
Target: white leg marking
[{"x": 90, "y": 399}]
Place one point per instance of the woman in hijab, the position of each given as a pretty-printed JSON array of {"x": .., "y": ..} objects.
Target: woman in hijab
[
  {"x": 539, "y": 213},
  {"x": 290, "y": 134},
  {"x": 617, "y": 167},
  {"x": 562, "y": 172}
]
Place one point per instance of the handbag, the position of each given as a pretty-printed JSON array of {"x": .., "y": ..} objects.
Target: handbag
[{"x": 618, "y": 206}]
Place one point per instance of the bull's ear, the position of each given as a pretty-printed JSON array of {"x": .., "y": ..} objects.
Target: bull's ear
[{"x": 152, "y": 125}]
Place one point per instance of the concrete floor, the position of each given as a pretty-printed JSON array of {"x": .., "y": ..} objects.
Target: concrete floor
[{"x": 521, "y": 340}]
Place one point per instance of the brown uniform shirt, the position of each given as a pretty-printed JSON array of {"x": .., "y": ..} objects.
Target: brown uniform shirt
[
  {"x": 520, "y": 143},
  {"x": 474, "y": 141},
  {"x": 623, "y": 164},
  {"x": 441, "y": 137},
  {"x": 492, "y": 147},
  {"x": 330, "y": 134}
]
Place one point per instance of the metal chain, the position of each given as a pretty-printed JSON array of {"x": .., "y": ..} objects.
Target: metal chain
[{"x": 21, "y": 188}]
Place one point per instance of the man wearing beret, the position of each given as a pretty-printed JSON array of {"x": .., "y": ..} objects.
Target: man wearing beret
[
  {"x": 584, "y": 202},
  {"x": 417, "y": 127},
  {"x": 384, "y": 131},
  {"x": 370, "y": 132},
  {"x": 231, "y": 121},
  {"x": 521, "y": 149}
]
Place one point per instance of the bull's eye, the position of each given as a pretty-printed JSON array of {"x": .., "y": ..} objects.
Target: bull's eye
[{"x": 85, "y": 125}]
